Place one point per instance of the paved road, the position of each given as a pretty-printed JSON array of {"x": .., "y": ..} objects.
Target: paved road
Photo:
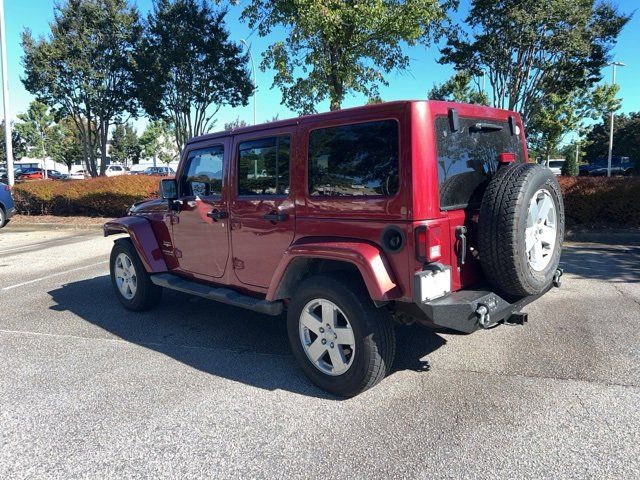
[{"x": 197, "y": 389}]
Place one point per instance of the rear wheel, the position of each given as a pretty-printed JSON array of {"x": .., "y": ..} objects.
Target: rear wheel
[
  {"x": 343, "y": 342},
  {"x": 130, "y": 280}
]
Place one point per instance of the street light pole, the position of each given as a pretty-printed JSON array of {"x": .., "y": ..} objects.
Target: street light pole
[
  {"x": 5, "y": 97},
  {"x": 253, "y": 68},
  {"x": 613, "y": 114}
]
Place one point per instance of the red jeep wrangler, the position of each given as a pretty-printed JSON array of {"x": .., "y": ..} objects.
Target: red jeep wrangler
[{"x": 413, "y": 211}]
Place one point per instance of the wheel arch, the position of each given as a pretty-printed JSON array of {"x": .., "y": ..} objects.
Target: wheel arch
[
  {"x": 143, "y": 238},
  {"x": 304, "y": 259}
]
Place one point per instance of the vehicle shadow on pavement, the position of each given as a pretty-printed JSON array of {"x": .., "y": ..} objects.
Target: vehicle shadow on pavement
[
  {"x": 218, "y": 339},
  {"x": 618, "y": 264}
]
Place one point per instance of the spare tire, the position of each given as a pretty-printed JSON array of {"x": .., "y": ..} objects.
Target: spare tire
[{"x": 521, "y": 229}]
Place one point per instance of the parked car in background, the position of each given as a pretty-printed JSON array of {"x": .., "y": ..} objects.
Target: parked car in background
[
  {"x": 619, "y": 166},
  {"x": 29, "y": 174},
  {"x": 555, "y": 165},
  {"x": 161, "y": 171},
  {"x": 79, "y": 175},
  {"x": 7, "y": 210},
  {"x": 115, "y": 170}
]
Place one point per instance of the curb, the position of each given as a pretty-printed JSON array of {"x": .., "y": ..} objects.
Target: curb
[
  {"x": 607, "y": 237},
  {"x": 30, "y": 227}
]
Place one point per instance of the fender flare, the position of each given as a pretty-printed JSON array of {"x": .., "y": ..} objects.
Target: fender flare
[
  {"x": 144, "y": 240},
  {"x": 368, "y": 259}
]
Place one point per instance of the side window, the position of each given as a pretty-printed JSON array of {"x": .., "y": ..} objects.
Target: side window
[
  {"x": 263, "y": 166},
  {"x": 354, "y": 160},
  {"x": 203, "y": 174}
]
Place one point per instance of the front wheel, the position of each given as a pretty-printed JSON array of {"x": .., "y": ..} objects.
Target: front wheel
[
  {"x": 3, "y": 217},
  {"x": 130, "y": 280},
  {"x": 344, "y": 344}
]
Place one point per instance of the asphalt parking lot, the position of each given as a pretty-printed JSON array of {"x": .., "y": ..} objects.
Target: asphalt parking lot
[{"x": 199, "y": 389}]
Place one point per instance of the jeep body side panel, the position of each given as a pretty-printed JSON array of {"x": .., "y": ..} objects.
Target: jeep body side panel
[
  {"x": 143, "y": 238},
  {"x": 369, "y": 260}
]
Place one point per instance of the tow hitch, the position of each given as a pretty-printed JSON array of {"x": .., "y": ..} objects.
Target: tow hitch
[
  {"x": 557, "y": 278},
  {"x": 517, "y": 318}
]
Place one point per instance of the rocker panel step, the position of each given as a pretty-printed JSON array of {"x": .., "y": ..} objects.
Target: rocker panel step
[{"x": 223, "y": 295}]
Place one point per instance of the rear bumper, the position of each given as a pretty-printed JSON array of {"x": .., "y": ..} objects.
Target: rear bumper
[{"x": 459, "y": 310}]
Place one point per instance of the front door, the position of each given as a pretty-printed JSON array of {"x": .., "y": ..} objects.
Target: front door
[
  {"x": 200, "y": 225},
  {"x": 262, "y": 207}
]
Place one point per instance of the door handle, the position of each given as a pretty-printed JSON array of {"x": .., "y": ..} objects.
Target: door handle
[
  {"x": 276, "y": 217},
  {"x": 216, "y": 215}
]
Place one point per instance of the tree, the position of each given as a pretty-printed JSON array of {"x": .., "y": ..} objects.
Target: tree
[
  {"x": 19, "y": 148},
  {"x": 233, "y": 124},
  {"x": 557, "y": 115},
  {"x": 571, "y": 163},
  {"x": 626, "y": 135},
  {"x": 458, "y": 89},
  {"x": 84, "y": 68},
  {"x": 125, "y": 145},
  {"x": 530, "y": 49},
  {"x": 336, "y": 47},
  {"x": 66, "y": 144},
  {"x": 158, "y": 142},
  {"x": 188, "y": 68},
  {"x": 36, "y": 128}
]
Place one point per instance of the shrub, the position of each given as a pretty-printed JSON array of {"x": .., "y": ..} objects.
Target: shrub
[
  {"x": 602, "y": 201},
  {"x": 95, "y": 197}
]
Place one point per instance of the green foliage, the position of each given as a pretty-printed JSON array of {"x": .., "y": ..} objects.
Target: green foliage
[
  {"x": 66, "y": 144},
  {"x": 36, "y": 129},
  {"x": 19, "y": 147},
  {"x": 626, "y": 137},
  {"x": 84, "y": 67},
  {"x": 237, "y": 123},
  {"x": 333, "y": 47},
  {"x": 458, "y": 89},
  {"x": 570, "y": 165},
  {"x": 158, "y": 142},
  {"x": 125, "y": 145},
  {"x": 531, "y": 49},
  {"x": 188, "y": 68}
]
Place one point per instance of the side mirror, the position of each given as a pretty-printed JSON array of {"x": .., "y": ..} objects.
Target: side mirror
[{"x": 168, "y": 189}]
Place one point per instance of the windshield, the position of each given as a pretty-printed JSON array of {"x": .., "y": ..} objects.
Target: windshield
[
  {"x": 556, "y": 163},
  {"x": 468, "y": 158}
]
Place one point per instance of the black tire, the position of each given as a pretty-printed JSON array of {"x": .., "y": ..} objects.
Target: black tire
[
  {"x": 372, "y": 328},
  {"x": 3, "y": 217},
  {"x": 147, "y": 294},
  {"x": 501, "y": 229}
]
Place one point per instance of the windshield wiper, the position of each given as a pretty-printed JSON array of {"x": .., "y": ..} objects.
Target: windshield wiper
[{"x": 485, "y": 127}]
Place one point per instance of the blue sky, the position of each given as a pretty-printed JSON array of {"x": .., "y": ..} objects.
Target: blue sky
[{"x": 424, "y": 70}]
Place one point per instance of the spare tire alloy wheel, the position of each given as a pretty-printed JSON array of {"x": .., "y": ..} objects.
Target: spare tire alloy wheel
[
  {"x": 327, "y": 337},
  {"x": 541, "y": 231},
  {"x": 520, "y": 229}
]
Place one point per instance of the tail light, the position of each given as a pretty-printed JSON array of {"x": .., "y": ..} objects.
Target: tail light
[
  {"x": 506, "y": 157},
  {"x": 6, "y": 187},
  {"x": 428, "y": 243}
]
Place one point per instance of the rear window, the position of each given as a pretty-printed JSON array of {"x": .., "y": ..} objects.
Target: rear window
[
  {"x": 468, "y": 158},
  {"x": 354, "y": 160}
]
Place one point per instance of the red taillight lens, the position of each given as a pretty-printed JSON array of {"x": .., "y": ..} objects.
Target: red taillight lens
[
  {"x": 428, "y": 243},
  {"x": 506, "y": 157},
  {"x": 6, "y": 187}
]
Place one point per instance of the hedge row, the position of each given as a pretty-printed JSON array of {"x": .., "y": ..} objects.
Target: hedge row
[
  {"x": 602, "y": 201},
  {"x": 95, "y": 197},
  {"x": 588, "y": 200}
]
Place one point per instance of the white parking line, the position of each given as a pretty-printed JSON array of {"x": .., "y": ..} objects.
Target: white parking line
[{"x": 51, "y": 276}]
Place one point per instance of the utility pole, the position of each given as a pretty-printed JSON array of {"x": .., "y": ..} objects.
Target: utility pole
[
  {"x": 255, "y": 85},
  {"x": 613, "y": 115},
  {"x": 5, "y": 97}
]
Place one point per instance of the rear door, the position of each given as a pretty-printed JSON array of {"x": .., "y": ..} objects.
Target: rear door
[
  {"x": 467, "y": 160},
  {"x": 262, "y": 207},
  {"x": 200, "y": 226}
]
